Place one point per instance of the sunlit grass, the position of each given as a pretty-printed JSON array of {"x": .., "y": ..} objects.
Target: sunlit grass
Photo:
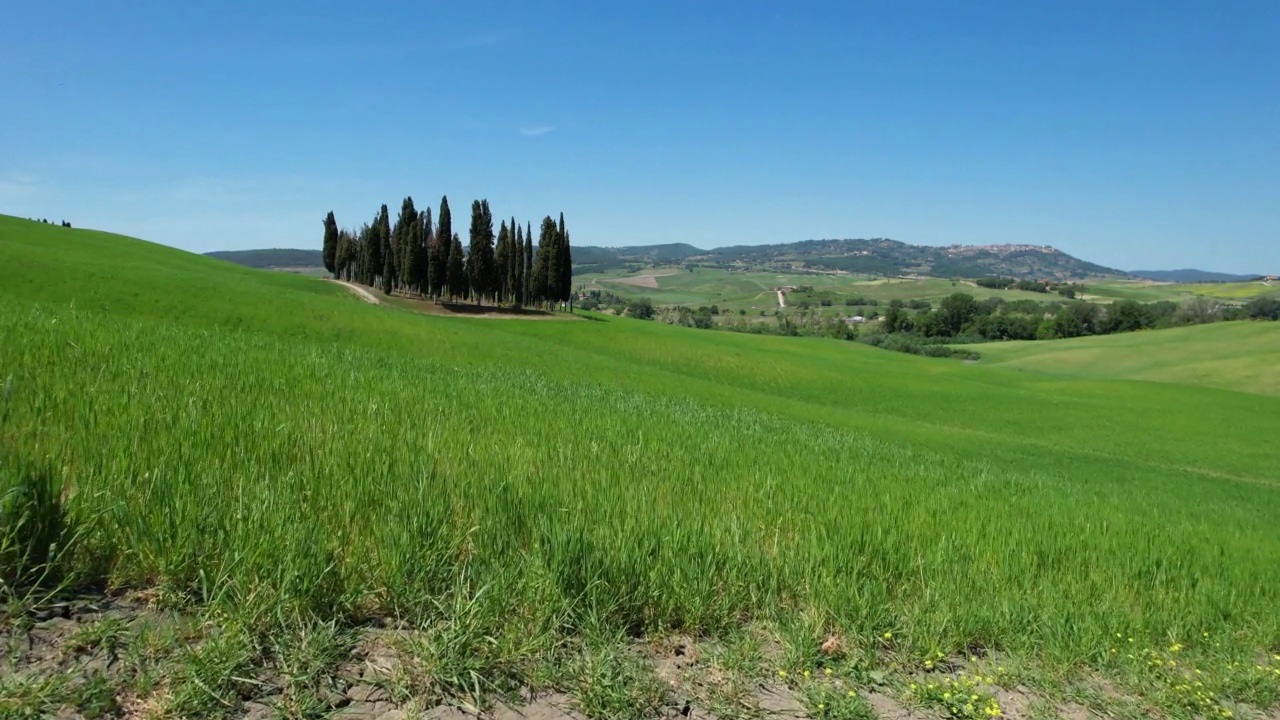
[{"x": 274, "y": 448}]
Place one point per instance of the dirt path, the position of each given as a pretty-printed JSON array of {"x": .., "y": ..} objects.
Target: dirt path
[
  {"x": 364, "y": 294},
  {"x": 782, "y": 301}
]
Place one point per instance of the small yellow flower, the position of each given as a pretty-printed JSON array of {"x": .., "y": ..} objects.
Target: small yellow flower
[
  {"x": 851, "y": 693},
  {"x": 827, "y": 672},
  {"x": 887, "y": 636},
  {"x": 782, "y": 673},
  {"x": 806, "y": 674}
]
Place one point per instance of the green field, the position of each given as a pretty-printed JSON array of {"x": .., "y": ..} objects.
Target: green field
[
  {"x": 270, "y": 448},
  {"x": 1234, "y": 356},
  {"x": 734, "y": 290},
  {"x": 1148, "y": 291}
]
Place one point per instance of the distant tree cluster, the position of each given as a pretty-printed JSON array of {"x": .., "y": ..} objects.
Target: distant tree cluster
[
  {"x": 419, "y": 256},
  {"x": 64, "y": 223},
  {"x": 961, "y": 318},
  {"x": 1067, "y": 290}
]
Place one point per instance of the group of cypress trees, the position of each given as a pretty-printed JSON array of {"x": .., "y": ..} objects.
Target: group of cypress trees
[{"x": 418, "y": 257}]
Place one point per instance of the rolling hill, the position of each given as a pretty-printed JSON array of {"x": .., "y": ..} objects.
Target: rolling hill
[
  {"x": 1189, "y": 276},
  {"x": 506, "y": 505},
  {"x": 877, "y": 256},
  {"x": 272, "y": 258}
]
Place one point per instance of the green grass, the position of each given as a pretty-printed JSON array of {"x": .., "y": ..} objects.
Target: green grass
[
  {"x": 272, "y": 447},
  {"x": 1149, "y": 291},
  {"x": 1233, "y": 356}
]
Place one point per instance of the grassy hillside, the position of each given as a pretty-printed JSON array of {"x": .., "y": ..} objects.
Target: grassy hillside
[
  {"x": 1235, "y": 356},
  {"x": 1147, "y": 291},
  {"x": 273, "y": 448}
]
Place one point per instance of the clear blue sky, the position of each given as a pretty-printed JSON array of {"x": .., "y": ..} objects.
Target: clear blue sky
[{"x": 1135, "y": 134}]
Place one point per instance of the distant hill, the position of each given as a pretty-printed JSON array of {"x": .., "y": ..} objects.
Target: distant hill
[
  {"x": 272, "y": 258},
  {"x": 878, "y": 256},
  {"x": 598, "y": 259},
  {"x": 1189, "y": 276}
]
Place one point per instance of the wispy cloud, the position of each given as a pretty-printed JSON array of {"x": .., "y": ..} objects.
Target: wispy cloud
[{"x": 536, "y": 130}]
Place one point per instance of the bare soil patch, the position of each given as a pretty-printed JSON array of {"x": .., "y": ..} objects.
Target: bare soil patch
[{"x": 647, "y": 281}]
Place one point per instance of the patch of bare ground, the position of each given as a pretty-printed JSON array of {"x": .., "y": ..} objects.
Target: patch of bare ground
[
  {"x": 125, "y": 658},
  {"x": 645, "y": 281},
  {"x": 888, "y": 708}
]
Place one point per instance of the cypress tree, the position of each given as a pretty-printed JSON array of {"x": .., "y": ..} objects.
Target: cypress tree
[
  {"x": 501, "y": 263},
  {"x": 457, "y": 273},
  {"x": 330, "y": 248},
  {"x": 542, "y": 275},
  {"x": 517, "y": 267},
  {"x": 480, "y": 253},
  {"x": 513, "y": 258},
  {"x": 439, "y": 254},
  {"x": 369, "y": 253},
  {"x": 565, "y": 266},
  {"x": 375, "y": 249},
  {"x": 425, "y": 236},
  {"x": 528, "y": 264},
  {"x": 384, "y": 241},
  {"x": 402, "y": 240},
  {"x": 343, "y": 255}
]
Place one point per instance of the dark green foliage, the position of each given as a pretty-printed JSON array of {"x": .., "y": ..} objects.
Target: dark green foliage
[
  {"x": 641, "y": 308},
  {"x": 517, "y": 268},
  {"x": 1127, "y": 316},
  {"x": 456, "y": 274},
  {"x": 563, "y": 267},
  {"x": 544, "y": 261},
  {"x": 330, "y": 248},
  {"x": 1263, "y": 309},
  {"x": 528, "y": 264},
  {"x": 502, "y": 263},
  {"x": 957, "y": 310},
  {"x": 894, "y": 319},
  {"x": 404, "y": 238},
  {"x": 346, "y": 255},
  {"x": 383, "y": 226},
  {"x": 421, "y": 254},
  {"x": 515, "y": 258},
  {"x": 439, "y": 252},
  {"x": 377, "y": 248},
  {"x": 366, "y": 255},
  {"x": 480, "y": 267}
]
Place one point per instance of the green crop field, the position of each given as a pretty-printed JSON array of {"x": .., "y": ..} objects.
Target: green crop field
[
  {"x": 1148, "y": 291},
  {"x": 273, "y": 451},
  {"x": 734, "y": 290},
  {"x": 1234, "y": 356}
]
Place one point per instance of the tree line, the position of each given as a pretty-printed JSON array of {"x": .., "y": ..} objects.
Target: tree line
[{"x": 422, "y": 255}]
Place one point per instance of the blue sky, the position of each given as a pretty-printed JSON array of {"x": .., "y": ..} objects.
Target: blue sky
[{"x": 1134, "y": 134}]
